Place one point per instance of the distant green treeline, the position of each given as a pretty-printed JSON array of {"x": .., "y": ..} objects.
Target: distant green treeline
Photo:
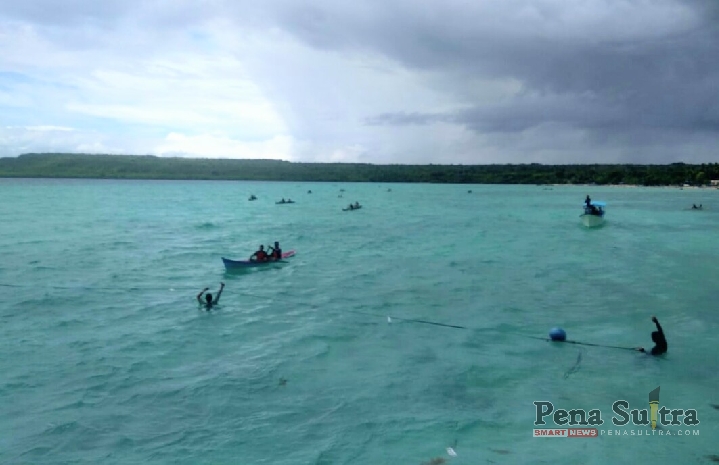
[{"x": 56, "y": 165}]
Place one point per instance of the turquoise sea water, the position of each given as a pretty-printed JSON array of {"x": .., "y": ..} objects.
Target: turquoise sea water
[{"x": 106, "y": 357}]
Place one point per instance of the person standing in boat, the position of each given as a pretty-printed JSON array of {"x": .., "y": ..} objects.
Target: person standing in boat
[
  {"x": 658, "y": 338},
  {"x": 209, "y": 302},
  {"x": 588, "y": 201}
]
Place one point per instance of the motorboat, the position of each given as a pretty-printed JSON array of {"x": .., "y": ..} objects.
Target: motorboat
[{"x": 593, "y": 215}]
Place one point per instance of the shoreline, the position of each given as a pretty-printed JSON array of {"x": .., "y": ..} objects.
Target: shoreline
[
  {"x": 107, "y": 178},
  {"x": 640, "y": 185}
]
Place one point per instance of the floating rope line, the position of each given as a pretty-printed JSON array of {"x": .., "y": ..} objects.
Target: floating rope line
[
  {"x": 412, "y": 320},
  {"x": 389, "y": 317}
]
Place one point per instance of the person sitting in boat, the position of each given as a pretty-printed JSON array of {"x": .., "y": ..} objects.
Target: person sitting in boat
[
  {"x": 260, "y": 255},
  {"x": 276, "y": 252},
  {"x": 209, "y": 302},
  {"x": 658, "y": 338}
]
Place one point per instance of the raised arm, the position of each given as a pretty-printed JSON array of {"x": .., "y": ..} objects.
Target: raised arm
[
  {"x": 219, "y": 293},
  {"x": 199, "y": 296},
  {"x": 659, "y": 327}
]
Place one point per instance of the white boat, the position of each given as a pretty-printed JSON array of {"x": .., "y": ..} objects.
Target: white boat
[{"x": 593, "y": 214}]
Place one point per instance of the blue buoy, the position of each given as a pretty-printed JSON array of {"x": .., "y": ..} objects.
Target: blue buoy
[{"x": 558, "y": 334}]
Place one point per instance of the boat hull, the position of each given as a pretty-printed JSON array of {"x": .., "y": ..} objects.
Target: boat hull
[
  {"x": 592, "y": 221},
  {"x": 243, "y": 264}
]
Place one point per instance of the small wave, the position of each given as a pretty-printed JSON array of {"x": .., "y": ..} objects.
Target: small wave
[
  {"x": 62, "y": 428},
  {"x": 122, "y": 244},
  {"x": 37, "y": 451},
  {"x": 43, "y": 268},
  {"x": 76, "y": 405},
  {"x": 65, "y": 323}
]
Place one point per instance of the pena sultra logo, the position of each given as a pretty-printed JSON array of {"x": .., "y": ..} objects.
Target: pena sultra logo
[{"x": 583, "y": 421}]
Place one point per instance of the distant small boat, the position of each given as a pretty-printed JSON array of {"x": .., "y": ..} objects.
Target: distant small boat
[
  {"x": 252, "y": 197},
  {"x": 238, "y": 264},
  {"x": 283, "y": 201},
  {"x": 351, "y": 208},
  {"x": 593, "y": 215}
]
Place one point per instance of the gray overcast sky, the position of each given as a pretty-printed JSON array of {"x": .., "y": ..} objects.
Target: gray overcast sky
[{"x": 378, "y": 81}]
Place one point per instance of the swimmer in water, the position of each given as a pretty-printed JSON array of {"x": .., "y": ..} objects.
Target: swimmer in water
[
  {"x": 658, "y": 338},
  {"x": 208, "y": 297}
]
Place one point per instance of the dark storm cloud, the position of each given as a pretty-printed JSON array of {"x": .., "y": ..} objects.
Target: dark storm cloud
[
  {"x": 406, "y": 119},
  {"x": 646, "y": 73},
  {"x": 524, "y": 77}
]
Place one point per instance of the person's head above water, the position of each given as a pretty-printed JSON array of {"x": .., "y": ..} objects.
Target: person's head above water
[
  {"x": 262, "y": 247},
  {"x": 208, "y": 298},
  {"x": 277, "y": 244}
]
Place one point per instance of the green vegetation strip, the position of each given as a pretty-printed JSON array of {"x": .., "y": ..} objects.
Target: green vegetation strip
[{"x": 57, "y": 165}]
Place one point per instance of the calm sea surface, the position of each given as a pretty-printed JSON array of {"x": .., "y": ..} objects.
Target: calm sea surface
[{"x": 105, "y": 357}]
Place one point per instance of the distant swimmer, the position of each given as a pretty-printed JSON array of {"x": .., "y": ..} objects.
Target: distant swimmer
[
  {"x": 658, "y": 338},
  {"x": 208, "y": 297}
]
